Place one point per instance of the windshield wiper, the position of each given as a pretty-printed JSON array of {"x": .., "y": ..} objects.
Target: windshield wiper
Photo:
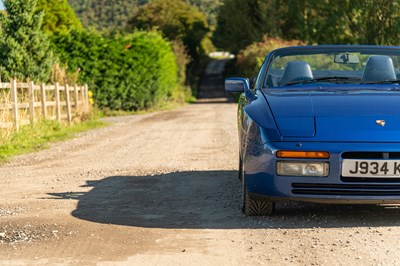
[
  {"x": 332, "y": 78},
  {"x": 389, "y": 81}
]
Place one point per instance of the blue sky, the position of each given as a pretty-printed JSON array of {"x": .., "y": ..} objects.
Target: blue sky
[{"x": 1, "y": 5}]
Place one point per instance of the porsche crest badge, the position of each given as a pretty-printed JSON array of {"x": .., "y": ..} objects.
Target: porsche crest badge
[{"x": 381, "y": 122}]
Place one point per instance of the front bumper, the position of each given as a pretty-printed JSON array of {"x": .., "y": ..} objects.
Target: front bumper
[{"x": 262, "y": 182}]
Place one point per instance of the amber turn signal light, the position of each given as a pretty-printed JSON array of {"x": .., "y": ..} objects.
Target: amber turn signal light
[{"x": 303, "y": 154}]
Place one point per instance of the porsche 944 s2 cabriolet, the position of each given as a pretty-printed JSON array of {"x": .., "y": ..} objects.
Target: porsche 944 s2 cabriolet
[{"x": 322, "y": 124}]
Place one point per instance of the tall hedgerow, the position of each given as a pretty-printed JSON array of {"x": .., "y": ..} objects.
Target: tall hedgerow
[
  {"x": 130, "y": 72},
  {"x": 24, "y": 48}
]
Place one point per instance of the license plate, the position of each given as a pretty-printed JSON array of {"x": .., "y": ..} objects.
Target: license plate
[{"x": 371, "y": 168}]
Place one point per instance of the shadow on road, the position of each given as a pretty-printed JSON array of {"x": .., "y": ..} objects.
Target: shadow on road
[{"x": 207, "y": 200}]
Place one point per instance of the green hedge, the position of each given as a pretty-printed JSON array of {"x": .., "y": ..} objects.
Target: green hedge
[{"x": 130, "y": 73}]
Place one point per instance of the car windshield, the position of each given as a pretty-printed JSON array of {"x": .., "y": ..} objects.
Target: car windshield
[{"x": 308, "y": 67}]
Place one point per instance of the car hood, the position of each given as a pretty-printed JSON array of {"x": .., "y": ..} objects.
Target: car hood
[{"x": 356, "y": 115}]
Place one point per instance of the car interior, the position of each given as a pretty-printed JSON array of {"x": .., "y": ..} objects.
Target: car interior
[{"x": 377, "y": 68}]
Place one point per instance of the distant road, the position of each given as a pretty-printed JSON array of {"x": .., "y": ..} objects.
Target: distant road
[{"x": 212, "y": 83}]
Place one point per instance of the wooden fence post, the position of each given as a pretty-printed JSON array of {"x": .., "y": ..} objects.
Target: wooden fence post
[
  {"x": 58, "y": 104},
  {"x": 86, "y": 98},
  {"x": 43, "y": 100},
  {"x": 68, "y": 102},
  {"x": 14, "y": 97},
  {"x": 83, "y": 98},
  {"x": 76, "y": 97},
  {"x": 31, "y": 102}
]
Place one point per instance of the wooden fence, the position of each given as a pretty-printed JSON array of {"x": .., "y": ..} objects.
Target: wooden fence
[{"x": 23, "y": 103}]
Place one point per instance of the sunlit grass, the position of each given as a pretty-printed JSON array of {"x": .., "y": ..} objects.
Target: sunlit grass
[{"x": 31, "y": 138}]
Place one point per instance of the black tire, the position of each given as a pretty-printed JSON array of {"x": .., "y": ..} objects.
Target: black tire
[
  {"x": 240, "y": 168},
  {"x": 253, "y": 207}
]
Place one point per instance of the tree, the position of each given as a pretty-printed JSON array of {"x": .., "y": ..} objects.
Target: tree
[
  {"x": 312, "y": 21},
  {"x": 209, "y": 8},
  {"x": 58, "y": 16},
  {"x": 343, "y": 22},
  {"x": 105, "y": 14},
  {"x": 242, "y": 22},
  {"x": 374, "y": 23},
  {"x": 176, "y": 19},
  {"x": 24, "y": 48},
  {"x": 111, "y": 15}
]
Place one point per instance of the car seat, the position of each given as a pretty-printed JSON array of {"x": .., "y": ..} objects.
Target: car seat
[
  {"x": 379, "y": 68},
  {"x": 296, "y": 71}
]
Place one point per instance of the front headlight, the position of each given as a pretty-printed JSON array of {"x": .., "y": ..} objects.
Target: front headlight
[{"x": 302, "y": 168}]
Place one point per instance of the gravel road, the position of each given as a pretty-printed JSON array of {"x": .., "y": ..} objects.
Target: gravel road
[{"x": 162, "y": 189}]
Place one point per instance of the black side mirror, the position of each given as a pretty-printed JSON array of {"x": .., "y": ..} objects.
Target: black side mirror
[{"x": 237, "y": 85}]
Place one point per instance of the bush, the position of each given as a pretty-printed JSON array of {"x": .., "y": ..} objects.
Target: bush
[
  {"x": 250, "y": 59},
  {"x": 182, "y": 60},
  {"x": 177, "y": 20},
  {"x": 24, "y": 48},
  {"x": 58, "y": 16},
  {"x": 129, "y": 73}
]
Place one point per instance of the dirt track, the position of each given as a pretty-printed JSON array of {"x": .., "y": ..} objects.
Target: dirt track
[{"x": 162, "y": 189}]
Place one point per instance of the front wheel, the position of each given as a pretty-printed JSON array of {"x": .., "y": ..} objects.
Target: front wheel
[
  {"x": 240, "y": 168},
  {"x": 253, "y": 207}
]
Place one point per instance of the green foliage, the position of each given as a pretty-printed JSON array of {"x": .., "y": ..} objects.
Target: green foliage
[
  {"x": 105, "y": 14},
  {"x": 130, "y": 73},
  {"x": 59, "y": 16},
  {"x": 250, "y": 59},
  {"x": 242, "y": 22},
  {"x": 209, "y": 8},
  {"x": 177, "y": 20},
  {"x": 344, "y": 21},
  {"x": 24, "y": 48},
  {"x": 182, "y": 59},
  {"x": 111, "y": 15}
]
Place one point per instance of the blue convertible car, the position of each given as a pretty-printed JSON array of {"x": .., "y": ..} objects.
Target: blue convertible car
[{"x": 320, "y": 123}]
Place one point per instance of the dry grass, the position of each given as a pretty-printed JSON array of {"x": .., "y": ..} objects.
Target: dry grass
[{"x": 60, "y": 74}]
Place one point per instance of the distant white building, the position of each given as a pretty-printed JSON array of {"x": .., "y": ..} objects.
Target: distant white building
[{"x": 221, "y": 54}]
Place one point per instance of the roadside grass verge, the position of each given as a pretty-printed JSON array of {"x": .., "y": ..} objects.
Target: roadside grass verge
[{"x": 31, "y": 138}]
